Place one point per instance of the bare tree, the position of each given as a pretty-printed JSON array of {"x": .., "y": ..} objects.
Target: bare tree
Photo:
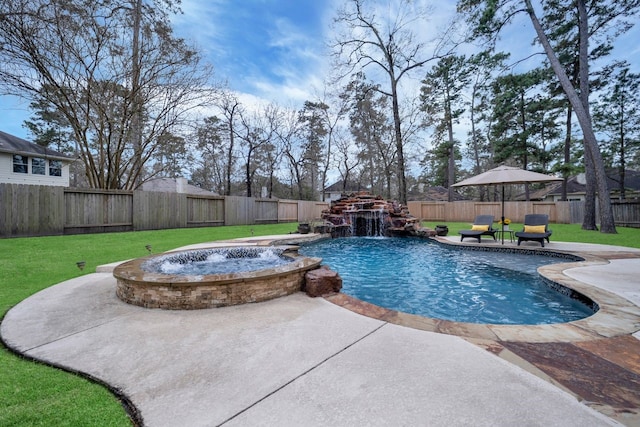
[
  {"x": 77, "y": 56},
  {"x": 231, "y": 109},
  {"x": 293, "y": 149},
  {"x": 387, "y": 43},
  {"x": 332, "y": 118},
  {"x": 257, "y": 131},
  {"x": 347, "y": 160}
]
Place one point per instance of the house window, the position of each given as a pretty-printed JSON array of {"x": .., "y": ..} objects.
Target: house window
[
  {"x": 37, "y": 166},
  {"x": 55, "y": 168},
  {"x": 20, "y": 164}
]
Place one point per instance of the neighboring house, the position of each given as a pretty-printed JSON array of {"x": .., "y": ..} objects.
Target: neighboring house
[
  {"x": 174, "y": 185},
  {"x": 335, "y": 191},
  {"x": 576, "y": 188},
  {"x": 432, "y": 194},
  {"x": 23, "y": 162}
]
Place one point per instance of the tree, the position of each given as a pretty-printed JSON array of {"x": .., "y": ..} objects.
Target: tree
[
  {"x": 617, "y": 116},
  {"x": 231, "y": 109},
  {"x": 494, "y": 15},
  {"x": 347, "y": 160},
  {"x": 211, "y": 142},
  {"x": 372, "y": 132},
  {"x": 523, "y": 121},
  {"x": 171, "y": 157},
  {"x": 331, "y": 118},
  {"x": 388, "y": 44},
  {"x": 314, "y": 130},
  {"x": 118, "y": 97},
  {"x": 482, "y": 67},
  {"x": 443, "y": 104},
  {"x": 257, "y": 132},
  {"x": 559, "y": 18},
  {"x": 49, "y": 127},
  {"x": 289, "y": 136}
]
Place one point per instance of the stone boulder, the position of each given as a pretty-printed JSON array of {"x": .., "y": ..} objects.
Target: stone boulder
[{"x": 322, "y": 281}]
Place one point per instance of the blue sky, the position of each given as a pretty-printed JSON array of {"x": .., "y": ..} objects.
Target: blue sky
[
  {"x": 272, "y": 49},
  {"x": 275, "y": 50}
]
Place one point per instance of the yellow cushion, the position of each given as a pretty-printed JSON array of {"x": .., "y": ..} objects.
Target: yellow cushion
[
  {"x": 536, "y": 229},
  {"x": 479, "y": 227}
]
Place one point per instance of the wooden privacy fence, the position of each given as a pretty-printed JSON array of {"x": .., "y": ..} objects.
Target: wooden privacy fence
[
  {"x": 626, "y": 213},
  {"x": 33, "y": 210}
]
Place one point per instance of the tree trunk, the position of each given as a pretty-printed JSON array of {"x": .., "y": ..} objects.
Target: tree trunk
[
  {"x": 452, "y": 149},
  {"x": 402, "y": 182},
  {"x": 136, "y": 125},
  {"x": 248, "y": 173},
  {"x": 623, "y": 163},
  {"x": 567, "y": 153},
  {"x": 589, "y": 219},
  {"x": 474, "y": 142}
]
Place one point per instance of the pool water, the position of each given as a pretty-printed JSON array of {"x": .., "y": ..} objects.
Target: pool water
[
  {"x": 217, "y": 261},
  {"x": 421, "y": 277}
]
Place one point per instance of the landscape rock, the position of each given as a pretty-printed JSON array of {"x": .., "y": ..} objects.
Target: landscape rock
[{"x": 322, "y": 281}]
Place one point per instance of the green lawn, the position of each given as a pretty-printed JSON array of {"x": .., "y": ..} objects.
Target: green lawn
[{"x": 32, "y": 394}]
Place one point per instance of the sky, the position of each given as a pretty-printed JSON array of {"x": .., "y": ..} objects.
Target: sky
[{"x": 276, "y": 50}]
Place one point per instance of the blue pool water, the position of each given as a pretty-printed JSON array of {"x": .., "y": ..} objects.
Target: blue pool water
[
  {"x": 216, "y": 261},
  {"x": 417, "y": 276}
]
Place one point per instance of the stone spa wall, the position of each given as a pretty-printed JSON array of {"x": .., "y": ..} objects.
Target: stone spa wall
[{"x": 187, "y": 292}]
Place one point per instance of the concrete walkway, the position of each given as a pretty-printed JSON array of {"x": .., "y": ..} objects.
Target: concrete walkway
[{"x": 288, "y": 362}]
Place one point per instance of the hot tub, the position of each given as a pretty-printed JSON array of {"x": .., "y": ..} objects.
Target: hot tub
[{"x": 180, "y": 281}]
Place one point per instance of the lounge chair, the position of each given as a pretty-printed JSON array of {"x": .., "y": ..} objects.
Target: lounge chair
[
  {"x": 482, "y": 226},
  {"x": 536, "y": 228}
]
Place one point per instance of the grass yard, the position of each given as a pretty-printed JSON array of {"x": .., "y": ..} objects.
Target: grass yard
[{"x": 35, "y": 395}]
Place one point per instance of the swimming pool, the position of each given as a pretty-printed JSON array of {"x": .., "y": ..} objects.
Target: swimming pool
[{"x": 421, "y": 277}]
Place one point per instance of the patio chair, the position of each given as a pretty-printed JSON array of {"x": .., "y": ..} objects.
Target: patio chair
[
  {"x": 536, "y": 228},
  {"x": 482, "y": 226}
]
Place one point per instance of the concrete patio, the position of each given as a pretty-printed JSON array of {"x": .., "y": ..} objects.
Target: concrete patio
[{"x": 303, "y": 361}]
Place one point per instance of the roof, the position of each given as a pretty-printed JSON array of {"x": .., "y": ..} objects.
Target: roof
[
  {"x": 349, "y": 187},
  {"x": 170, "y": 185},
  {"x": 14, "y": 145},
  {"x": 435, "y": 194},
  {"x": 576, "y": 185}
]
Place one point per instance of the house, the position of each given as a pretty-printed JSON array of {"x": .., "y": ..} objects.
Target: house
[
  {"x": 576, "y": 187},
  {"x": 437, "y": 193},
  {"x": 23, "y": 162},
  {"x": 174, "y": 185},
  {"x": 335, "y": 191}
]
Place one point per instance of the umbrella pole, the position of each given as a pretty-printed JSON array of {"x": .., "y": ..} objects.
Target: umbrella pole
[{"x": 502, "y": 222}]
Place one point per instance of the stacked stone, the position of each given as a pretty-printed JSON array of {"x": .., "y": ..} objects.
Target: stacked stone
[{"x": 400, "y": 220}]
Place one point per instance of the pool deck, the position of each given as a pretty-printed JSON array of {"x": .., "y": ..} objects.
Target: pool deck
[{"x": 309, "y": 361}]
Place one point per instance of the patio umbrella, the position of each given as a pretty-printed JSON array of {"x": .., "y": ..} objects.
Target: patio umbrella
[{"x": 505, "y": 175}]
